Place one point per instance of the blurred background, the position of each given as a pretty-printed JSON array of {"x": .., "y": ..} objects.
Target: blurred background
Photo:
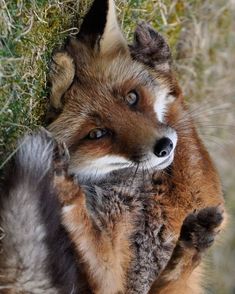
[{"x": 201, "y": 34}]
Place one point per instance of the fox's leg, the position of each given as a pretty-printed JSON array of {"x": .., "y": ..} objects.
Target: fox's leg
[
  {"x": 197, "y": 234},
  {"x": 100, "y": 224}
]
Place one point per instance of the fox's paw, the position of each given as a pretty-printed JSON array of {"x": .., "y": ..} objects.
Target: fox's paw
[
  {"x": 150, "y": 47},
  {"x": 200, "y": 228},
  {"x": 67, "y": 189},
  {"x": 61, "y": 159}
]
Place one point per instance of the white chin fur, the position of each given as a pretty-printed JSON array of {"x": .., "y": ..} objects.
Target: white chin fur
[
  {"x": 153, "y": 162},
  {"x": 101, "y": 166}
]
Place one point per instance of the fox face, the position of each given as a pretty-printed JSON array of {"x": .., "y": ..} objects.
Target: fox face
[{"x": 117, "y": 110}]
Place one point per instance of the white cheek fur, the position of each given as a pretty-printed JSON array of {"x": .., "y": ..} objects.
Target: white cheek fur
[{"x": 163, "y": 99}]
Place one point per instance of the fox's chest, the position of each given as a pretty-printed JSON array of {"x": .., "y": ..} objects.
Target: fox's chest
[
  {"x": 165, "y": 205},
  {"x": 153, "y": 244}
]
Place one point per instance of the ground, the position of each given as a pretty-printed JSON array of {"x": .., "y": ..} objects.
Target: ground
[{"x": 202, "y": 36}]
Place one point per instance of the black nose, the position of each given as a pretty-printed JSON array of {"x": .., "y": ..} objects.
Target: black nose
[{"x": 163, "y": 147}]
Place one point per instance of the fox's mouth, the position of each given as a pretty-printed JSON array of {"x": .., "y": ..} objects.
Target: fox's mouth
[
  {"x": 168, "y": 161},
  {"x": 157, "y": 159},
  {"x": 151, "y": 163},
  {"x": 116, "y": 164},
  {"x": 146, "y": 163},
  {"x": 102, "y": 170}
]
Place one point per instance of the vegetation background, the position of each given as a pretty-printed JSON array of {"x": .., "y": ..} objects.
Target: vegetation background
[{"x": 201, "y": 34}]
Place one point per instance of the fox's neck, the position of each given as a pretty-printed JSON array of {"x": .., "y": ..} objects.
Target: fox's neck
[
  {"x": 193, "y": 182},
  {"x": 193, "y": 161}
]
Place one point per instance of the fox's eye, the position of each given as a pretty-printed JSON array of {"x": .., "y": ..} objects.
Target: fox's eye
[
  {"x": 97, "y": 134},
  {"x": 132, "y": 98}
]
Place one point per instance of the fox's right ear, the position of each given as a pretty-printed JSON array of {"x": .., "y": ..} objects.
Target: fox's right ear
[{"x": 100, "y": 29}]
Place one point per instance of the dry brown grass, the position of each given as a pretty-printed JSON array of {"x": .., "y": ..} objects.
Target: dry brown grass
[{"x": 202, "y": 35}]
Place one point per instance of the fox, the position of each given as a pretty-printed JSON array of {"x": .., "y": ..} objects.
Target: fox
[
  {"x": 121, "y": 196},
  {"x": 120, "y": 111},
  {"x": 37, "y": 255}
]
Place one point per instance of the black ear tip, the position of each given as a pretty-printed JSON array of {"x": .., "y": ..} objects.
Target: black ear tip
[{"x": 95, "y": 20}]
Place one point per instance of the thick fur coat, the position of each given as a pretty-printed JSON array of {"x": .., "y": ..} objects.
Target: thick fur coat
[
  {"x": 101, "y": 71},
  {"x": 133, "y": 201},
  {"x": 36, "y": 254}
]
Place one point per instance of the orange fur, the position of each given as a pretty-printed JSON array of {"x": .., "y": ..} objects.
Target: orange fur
[
  {"x": 97, "y": 94},
  {"x": 106, "y": 254}
]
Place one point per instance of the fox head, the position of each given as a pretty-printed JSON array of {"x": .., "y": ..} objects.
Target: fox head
[{"x": 117, "y": 103}]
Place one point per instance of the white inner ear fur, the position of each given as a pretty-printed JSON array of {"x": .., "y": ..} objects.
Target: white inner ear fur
[
  {"x": 163, "y": 99},
  {"x": 112, "y": 37}
]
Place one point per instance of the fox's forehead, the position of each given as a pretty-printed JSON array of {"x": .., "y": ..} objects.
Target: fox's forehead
[
  {"x": 115, "y": 70},
  {"x": 102, "y": 82}
]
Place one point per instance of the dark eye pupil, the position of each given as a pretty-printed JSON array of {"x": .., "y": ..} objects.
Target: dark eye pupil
[
  {"x": 97, "y": 133},
  {"x": 132, "y": 98}
]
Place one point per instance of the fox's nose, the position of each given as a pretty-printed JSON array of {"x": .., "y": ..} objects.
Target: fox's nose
[{"x": 163, "y": 147}]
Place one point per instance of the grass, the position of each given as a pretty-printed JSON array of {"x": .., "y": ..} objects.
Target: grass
[{"x": 201, "y": 35}]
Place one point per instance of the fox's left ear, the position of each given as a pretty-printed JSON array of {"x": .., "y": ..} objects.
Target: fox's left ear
[
  {"x": 150, "y": 48},
  {"x": 100, "y": 32},
  {"x": 100, "y": 28}
]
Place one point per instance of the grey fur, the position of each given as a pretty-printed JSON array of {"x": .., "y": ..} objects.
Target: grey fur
[
  {"x": 36, "y": 254},
  {"x": 153, "y": 243},
  {"x": 24, "y": 253}
]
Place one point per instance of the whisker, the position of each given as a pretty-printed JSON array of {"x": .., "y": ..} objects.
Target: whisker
[
  {"x": 200, "y": 111},
  {"x": 148, "y": 168},
  {"x": 218, "y": 144},
  {"x": 207, "y": 107},
  {"x": 225, "y": 141},
  {"x": 217, "y": 125},
  {"x": 124, "y": 187}
]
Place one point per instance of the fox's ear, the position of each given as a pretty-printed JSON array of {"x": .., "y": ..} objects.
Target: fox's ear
[
  {"x": 150, "y": 48},
  {"x": 100, "y": 28}
]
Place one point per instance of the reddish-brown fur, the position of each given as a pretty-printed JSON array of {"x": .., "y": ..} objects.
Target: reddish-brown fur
[
  {"x": 107, "y": 259},
  {"x": 95, "y": 99}
]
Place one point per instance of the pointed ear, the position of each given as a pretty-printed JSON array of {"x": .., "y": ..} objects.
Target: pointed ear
[
  {"x": 100, "y": 28},
  {"x": 61, "y": 74},
  {"x": 150, "y": 48}
]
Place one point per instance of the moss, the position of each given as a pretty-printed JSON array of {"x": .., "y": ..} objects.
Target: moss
[
  {"x": 158, "y": 13},
  {"x": 32, "y": 29}
]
